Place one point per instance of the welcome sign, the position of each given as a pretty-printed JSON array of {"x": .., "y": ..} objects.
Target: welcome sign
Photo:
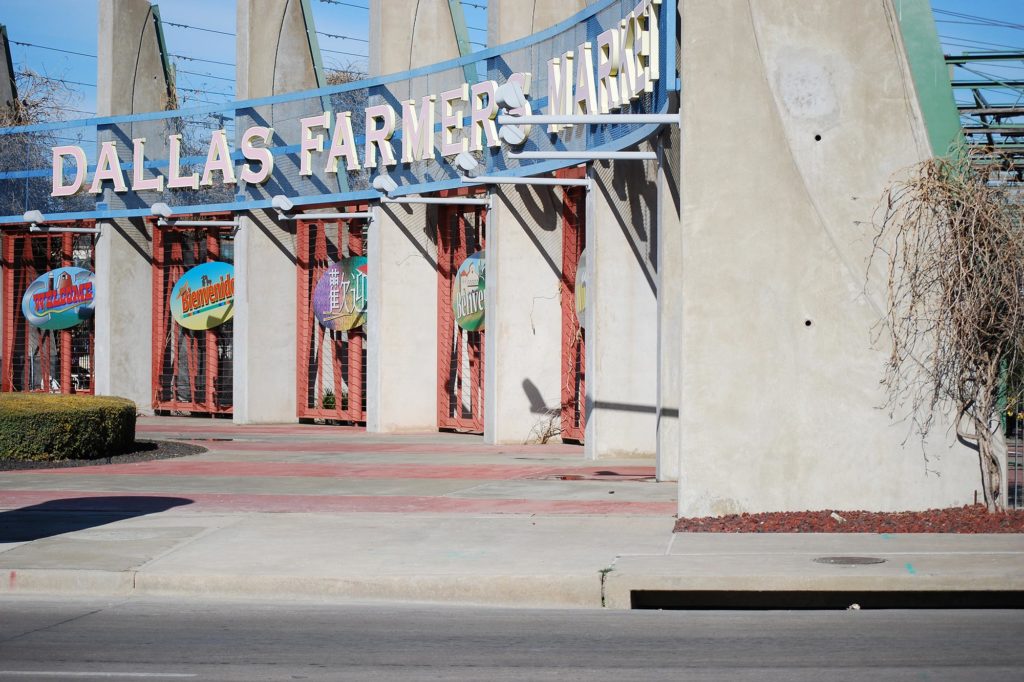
[
  {"x": 204, "y": 297},
  {"x": 59, "y": 299}
]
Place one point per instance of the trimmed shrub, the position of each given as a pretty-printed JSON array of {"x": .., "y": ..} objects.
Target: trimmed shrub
[{"x": 41, "y": 427}]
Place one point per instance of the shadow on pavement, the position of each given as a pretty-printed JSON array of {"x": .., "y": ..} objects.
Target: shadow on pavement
[{"x": 66, "y": 515}]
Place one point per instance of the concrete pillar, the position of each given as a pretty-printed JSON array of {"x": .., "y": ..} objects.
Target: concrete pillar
[
  {"x": 130, "y": 79},
  {"x": 524, "y": 315},
  {"x": 273, "y": 57},
  {"x": 622, "y": 310},
  {"x": 670, "y": 310},
  {"x": 780, "y": 383},
  {"x": 7, "y": 84},
  {"x": 401, "y": 352},
  {"x": 524, "y": 266},
  {"x": 7, "y": 94}
]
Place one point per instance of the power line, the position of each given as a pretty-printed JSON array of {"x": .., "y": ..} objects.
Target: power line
[
  {"x": 29, "y": 74},
  {"x": 472, "y": 4},
  {"x": 198, "y": 28},
  {"x": 350, "y": 54},
  {"x": 341, "y": 37},
  {"x": 207, "y": 75},
  {"x": 961, "y": 40},
  {"x": 209, "y": 92},
  {"x": 55, "y": 49},
  {"x": 346, "y": 4},
  {"x": 977, "y": 20},
  {"x": 197, "y": 59}
]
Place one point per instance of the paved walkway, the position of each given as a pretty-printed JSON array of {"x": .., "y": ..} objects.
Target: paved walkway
[{"x": 302, "y": 511}]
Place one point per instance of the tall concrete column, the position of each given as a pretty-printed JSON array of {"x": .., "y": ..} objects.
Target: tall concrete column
[
  {"x": 780, "y": 383},
  {"x": 524, "y": 266},
  {"x": 273, "y": 57},
  {"x": 130, "y": 79},
  {"x": 670, "y": 310},
  {"x": 401, "y": 352},
  {"x": 622, "y": 310},
  {"x": 8, "y": 91}
]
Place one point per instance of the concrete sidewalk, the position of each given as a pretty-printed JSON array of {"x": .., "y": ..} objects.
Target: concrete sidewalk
[{"x": 335, "y": 513}]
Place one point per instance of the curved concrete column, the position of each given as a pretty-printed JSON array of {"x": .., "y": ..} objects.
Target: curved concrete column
[
  {"x": 272, "y": 56},
  {"x": 524, "y": 267},
  {"x": 401, "y": 353},
  {"x": 130, "y": 79},
  {"x": 780, "y": 384}
]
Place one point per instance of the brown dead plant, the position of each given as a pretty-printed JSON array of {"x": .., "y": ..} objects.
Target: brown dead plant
[{"x": 952, "y": 234}]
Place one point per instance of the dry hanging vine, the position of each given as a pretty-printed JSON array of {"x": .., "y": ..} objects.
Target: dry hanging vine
[{"x": 953, "y": 237}]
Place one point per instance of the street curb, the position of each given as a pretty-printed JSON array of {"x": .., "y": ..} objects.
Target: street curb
[{"x": 520, "y": 591}]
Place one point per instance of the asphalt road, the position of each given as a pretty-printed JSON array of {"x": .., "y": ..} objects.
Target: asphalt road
[{"x": 219, "y": 640}]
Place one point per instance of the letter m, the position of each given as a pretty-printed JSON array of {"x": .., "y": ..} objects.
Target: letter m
[{"x": 560, "y": 99}]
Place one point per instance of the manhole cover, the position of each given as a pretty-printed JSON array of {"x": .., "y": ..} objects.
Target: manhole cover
[{"x": 849, "y": 560}]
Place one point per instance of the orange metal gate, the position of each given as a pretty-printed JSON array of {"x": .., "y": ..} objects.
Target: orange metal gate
[
  {"x": 573, "y": 421},
  {"x": 34, "y": 359},
  {"x": 331, "y": 373},
  {"x": 192, "y": 370},
  {"x": 460, "y": 353}
]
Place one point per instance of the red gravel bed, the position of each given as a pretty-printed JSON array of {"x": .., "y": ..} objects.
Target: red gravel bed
[{"x": 967, "y": 519}]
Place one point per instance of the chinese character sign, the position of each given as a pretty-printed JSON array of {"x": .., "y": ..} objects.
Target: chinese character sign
[{"x": 339, "y": 298}]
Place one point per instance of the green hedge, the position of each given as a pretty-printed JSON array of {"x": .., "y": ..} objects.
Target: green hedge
[{"x": 42, "y": 427}]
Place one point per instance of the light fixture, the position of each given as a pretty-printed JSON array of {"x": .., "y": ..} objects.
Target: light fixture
[
  {"x": 161, "y": 209},
  {"x": 384, "y": 184},
  {"x": 34, "y": 217},
  {"x": 283, "y": 204}
]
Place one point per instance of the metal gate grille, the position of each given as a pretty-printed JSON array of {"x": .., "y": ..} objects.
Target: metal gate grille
[
  {"x": 460, "y": 353},
  {"x": 192, "y": 370},
  {"x": 34, "y": 359},
  {"x": 331, "y": 377},
  {"x": 1013, "y": 429},
  {"x": 573, "y": 421}
]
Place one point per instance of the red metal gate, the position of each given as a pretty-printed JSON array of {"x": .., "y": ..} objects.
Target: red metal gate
[
  {"x": 34, "y": 359},
  {"x": 331, "y": 373},
  {"x": 573, "y": 421},
  {"x": 460, "y": 353},
  {"x": 192, "y": 370}
]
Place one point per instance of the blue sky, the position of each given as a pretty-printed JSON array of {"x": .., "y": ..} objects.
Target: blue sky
[{"x": 71, "y": 25}]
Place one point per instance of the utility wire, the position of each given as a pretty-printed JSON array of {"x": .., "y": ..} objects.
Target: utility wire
[
  {"x": 346, "y": 4},
  {"x": 979, "y": 42},
  {"x": 208, "y": 92},
  {"x": 472, "y": 4},
  {"x": 341, "y": 37},
  {"x": 28, "y": 74},
  {"x": 977, "y": 20},
  {"x": 197, "y": 59},
  {"x": 197, "y": 28},
  {"x": 55, "y": 49},
  {"x": 350, "y": 54},
  {"x": 207, "y": 75}
]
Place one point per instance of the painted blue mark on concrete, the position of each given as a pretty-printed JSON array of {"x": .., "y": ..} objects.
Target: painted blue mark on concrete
[{"x": 910, "y": 569}]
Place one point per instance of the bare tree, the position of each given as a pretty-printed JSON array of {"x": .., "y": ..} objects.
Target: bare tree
[
  {"x": 952, "y": 232},
  {"x": 39, "y": 99}
]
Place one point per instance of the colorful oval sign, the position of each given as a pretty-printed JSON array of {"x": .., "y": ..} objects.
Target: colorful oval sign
[
  {"x": 60, "y": 298},
  {"x": 339, "y": 298},
  {"x": 204, "y": 297},
  {"x": 468, "y": 293}
]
